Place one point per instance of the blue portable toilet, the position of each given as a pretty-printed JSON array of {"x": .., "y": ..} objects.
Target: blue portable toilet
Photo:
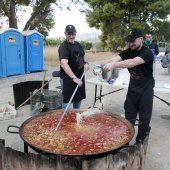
[
  {"x": 12, "y": 60},
  {"x": 34, "y": 50}
]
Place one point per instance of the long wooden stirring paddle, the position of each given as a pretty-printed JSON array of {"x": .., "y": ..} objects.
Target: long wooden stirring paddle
[{"x": 68, "y": 104}]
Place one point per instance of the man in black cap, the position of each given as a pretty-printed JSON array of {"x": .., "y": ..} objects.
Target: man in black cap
[
  {"x": 139, "y": 61},
  {"x": 73, "y": 63}
]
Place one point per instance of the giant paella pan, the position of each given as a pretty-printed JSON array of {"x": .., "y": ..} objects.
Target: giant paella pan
[{"x": 78, "y": 134}]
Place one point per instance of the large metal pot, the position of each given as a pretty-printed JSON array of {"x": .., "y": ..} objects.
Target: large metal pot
[
  {"x": 109, "y": 75},
  {"x": 106, "y": 75},
  {"x": 111, "y": 115}
]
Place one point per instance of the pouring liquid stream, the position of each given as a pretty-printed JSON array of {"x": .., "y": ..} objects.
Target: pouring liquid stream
[
  {"x": 89, "y": 112},
  {"x": 85, "y": 114}
]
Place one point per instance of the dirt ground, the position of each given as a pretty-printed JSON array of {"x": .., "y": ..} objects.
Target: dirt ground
[{"x": 158, "y": 152}]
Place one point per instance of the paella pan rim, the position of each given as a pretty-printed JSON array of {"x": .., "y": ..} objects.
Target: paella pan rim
[{"x": 37, "y": 149}]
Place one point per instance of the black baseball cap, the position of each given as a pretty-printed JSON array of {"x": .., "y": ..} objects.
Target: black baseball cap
[
  {"x": 70, "y": 28},
  {"x": 134, "y": 33}
]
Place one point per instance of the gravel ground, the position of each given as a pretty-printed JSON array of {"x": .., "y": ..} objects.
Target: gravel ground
[{"x": 157, "y": 157}]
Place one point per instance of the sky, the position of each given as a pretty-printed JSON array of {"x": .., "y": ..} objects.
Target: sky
[
  {"x": 62, "y": 19},
  {"x": 74, "y": 17}
]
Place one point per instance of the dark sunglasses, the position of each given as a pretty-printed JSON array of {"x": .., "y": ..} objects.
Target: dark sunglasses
[{"x": 71, "y": 33}]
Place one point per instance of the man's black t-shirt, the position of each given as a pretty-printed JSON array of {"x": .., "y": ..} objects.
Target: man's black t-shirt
[
  {"x": 142, "y": 74},
  {"x": 74, "y": 53}
]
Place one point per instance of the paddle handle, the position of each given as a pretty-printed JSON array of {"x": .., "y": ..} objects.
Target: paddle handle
[{"x": 68, "y": 104}]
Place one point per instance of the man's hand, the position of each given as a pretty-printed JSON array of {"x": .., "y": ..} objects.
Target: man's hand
[
  {"x": 78, "y": 81},
  {"x": 108, "y": 66},
  {"x": 86, "y": 67}
]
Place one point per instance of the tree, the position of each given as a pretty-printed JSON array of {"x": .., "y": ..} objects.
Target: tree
[
  {"x": 116, "y": 18},
  {"x": 86, "y": 45},
  {"x": 164, "y": 32},
  {"x": 42, "y": 17}
]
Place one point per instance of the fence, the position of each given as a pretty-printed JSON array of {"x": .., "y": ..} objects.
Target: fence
[{"x": 128, "y": 158}]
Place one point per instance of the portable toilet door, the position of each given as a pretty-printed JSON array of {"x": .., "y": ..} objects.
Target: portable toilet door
[
  {"x": 2, "y": 59},
  {"x": 33, "y": 41},
  {"x": 12, "y": 52}
]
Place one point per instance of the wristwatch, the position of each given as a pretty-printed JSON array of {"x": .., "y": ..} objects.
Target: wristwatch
[
  {"x": 86, "y": 62},
  {"x": 74, "y": 77}
]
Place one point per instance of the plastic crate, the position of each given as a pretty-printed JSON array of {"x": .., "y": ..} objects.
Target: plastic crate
[{"x": 51, "y": 99}]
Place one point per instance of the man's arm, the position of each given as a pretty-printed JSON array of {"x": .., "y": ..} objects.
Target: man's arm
[
  {"x": 68, "y": 71},
  {"x": 114, "y": 59},
  {"x": 66, "y": 67},
  {"x": 86, "y": 66},
  {"x": 129, "y": 63}
]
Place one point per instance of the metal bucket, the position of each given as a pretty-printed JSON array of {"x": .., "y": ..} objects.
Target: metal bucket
[
  {"x": 106, "y": 75},
  {"x": 109, "y": 75}
]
